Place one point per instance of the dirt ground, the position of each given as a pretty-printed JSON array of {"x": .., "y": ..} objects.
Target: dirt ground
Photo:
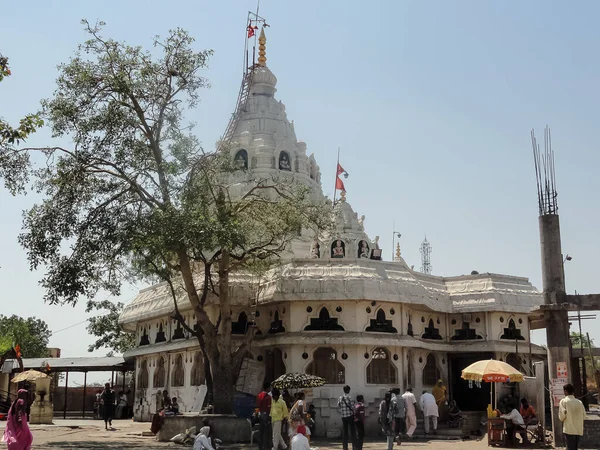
[{"x": 125, "y": 435}]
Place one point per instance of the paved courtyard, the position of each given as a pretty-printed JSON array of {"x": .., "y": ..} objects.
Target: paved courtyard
[{"x": 89, "y": 434}]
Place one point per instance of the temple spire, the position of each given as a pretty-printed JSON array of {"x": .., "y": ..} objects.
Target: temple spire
[{"x": 262, "y": 48}]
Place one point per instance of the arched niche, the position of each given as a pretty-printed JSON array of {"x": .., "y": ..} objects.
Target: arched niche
[
  {"x": 241, "y": 159},
  {"x": 276, "y": 324},
  {"x": 431, "y": 332},
  {"x": 198, "y": 378},
  {"x": 431, "y": 373},
  {"x": 160, "y": 335},
  {"x": 143, "y": 377},
  {"x": 178, "y": 374},
  {"x": 285, "y": 162},
  {"x": 145, "y": 339},
  {"x": 338, "y": 249},
  {"x": 363, "y": 249},
  {"x": 160, "y": 373},
  {"x": 380, "y": 324},
  {"x": 241, "y": 326},
  {"x": 512, "y": 332},
  {"x": 326, "y": 365},
  {"x": 381, "y": 369},
  {"x": 324, "y": 322}
]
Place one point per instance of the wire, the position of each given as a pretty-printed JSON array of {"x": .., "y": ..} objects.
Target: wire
[{"x": 69, "y": 327}]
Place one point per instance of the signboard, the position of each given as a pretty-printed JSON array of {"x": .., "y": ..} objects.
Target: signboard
[
  {"x": 561, "y": 370},
  {"x": 557, "y": 391},
  {"x": 252, "y": 374}
]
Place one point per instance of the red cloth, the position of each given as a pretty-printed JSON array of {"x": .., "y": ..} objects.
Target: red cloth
[
  {"x": 250, "y": 31},
  {"x": 529, "y": 412},
  {"x": 340, "y": 169},
  {"x": 17, "y": 434},
  {"x": 263, "y": 402},
  {"x": 339, "y": 185}
]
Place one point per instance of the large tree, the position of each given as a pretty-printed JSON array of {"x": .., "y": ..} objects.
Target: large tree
[
  {"x": 106, "y": 327},
  {"x": 136, "y": 197},
  {"x": 30, "y": 334}
]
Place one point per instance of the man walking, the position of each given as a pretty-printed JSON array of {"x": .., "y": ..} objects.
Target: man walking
[
  {"x": 398, "y": 410},
  {"x": 263, "y": 403},
  {"x": 430, "y": 411},
  {"x": 279, "y": 413},
  {"x": 345, "y": 407},
  {"x": 572, "y": 414},
  {"x": 411, "y": 413}
]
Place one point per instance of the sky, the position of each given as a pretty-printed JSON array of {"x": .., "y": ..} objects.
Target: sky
[{"x": 431, "y": 102}]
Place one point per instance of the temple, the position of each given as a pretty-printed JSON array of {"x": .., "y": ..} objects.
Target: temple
[{"x": 333, "y": 308}]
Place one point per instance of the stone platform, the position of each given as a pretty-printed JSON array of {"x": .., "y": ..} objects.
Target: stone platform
[{"x": 229, "y": 428}]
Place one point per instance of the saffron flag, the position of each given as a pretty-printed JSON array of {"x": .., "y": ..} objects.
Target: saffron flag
[
  {"x": 340, "y": 169},
  {"x": 251, "y": 31},
  {"x": 339, "y": 184}
]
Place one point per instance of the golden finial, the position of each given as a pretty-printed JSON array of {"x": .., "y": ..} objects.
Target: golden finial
[
  {"x": 262, "y": 48},
  {"x": 343, "y": 196},
  {"x": 398, "y": 250}
]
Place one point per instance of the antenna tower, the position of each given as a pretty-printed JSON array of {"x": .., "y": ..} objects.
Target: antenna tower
[{"x": 425, "y": 250}]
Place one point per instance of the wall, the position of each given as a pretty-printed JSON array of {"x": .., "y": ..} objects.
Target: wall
[{"x": 591, "y": 432}]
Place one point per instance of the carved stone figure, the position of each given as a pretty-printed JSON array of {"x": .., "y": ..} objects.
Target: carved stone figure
[
  {"x": 337, "y": 250},
  {"x": 361, "y": 222},
  {"x": 363, "y": 249},
  {"x": 315, "y": 251},
  {"x": 377, "y": 242},
  {"x": 284, "y": 162}
]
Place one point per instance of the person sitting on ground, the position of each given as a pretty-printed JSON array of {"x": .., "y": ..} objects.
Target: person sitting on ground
[
  {"x": 527, "y": 412},
  {"x": 300, "y": 441},
  {"x": 453, "y": 414},
  {"x": 202, "y": 440},
  {"x": 516, "y": 420}
]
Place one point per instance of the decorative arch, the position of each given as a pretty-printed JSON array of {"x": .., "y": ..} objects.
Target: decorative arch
[
  {"x": 431, "y": 373},
  {"x": 381, "y": 369},
  {"x": 431, "y": 332},
  {"x": 465, "y": 333},
  {"x": 285, "y": 162},
  {"x": 512, "y": 332},
  {"x": 274, "y": 365},
  {"x": 241, "y": 326},
  {"x": 160, "y": 334},
  {"x": 363, "y": 249},
  {"x": 324, "y": 322},
  {"x": 178, "y": 374},
  {"x": 380, "y": 324},
  {"x": 277, "y": 324},
  {"x": 241, "y": 159},
  {"x": 325, "y": 364},
  {"x": 514, "y": 361},
  {"x": 143, "y": 376},
  {"x": 338, "y": 249},
  {"x": 198, "y": 378},
  {"x": 178, "y": 331},
  {"x": 145, "y": 339},
  {"x": 160, "y": 373}
]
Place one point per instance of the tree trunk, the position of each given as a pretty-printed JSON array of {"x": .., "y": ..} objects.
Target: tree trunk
[{"x": 223, "y": 389}]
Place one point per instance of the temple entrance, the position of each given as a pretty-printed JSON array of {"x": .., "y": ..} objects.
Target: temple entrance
[{"x": 468, "y": 396}]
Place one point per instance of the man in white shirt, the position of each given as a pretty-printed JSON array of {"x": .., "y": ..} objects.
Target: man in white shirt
[
  {"x": 300, "y": 442},
  {"x": 572, "y": 414},
  {"x": 411, "y": 413},
  {"x": 430, "y": 411},
  {"x": 517, "y": 421}
]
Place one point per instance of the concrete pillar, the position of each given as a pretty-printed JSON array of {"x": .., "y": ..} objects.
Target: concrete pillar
[{"x": 557, "y": 322}]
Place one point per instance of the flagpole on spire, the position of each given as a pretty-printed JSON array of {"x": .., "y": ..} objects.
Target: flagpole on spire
[{"x": 336, "y": 178}]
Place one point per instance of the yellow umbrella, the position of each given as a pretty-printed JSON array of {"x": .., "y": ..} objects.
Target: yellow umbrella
[
  {"x": 29, "y": 375},
  {"x": 491, "y": 371}
]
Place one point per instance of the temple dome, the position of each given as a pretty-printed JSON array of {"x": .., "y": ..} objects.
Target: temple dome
[{"x": 263, "y": 75}]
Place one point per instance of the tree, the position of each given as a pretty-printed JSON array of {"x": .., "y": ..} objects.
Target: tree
[
  {"x": 30, "y": 334},
  {"x": 137, "y": 198},
  {"x": 106, "y": 327},
  {"x": 12, "y": 163}
]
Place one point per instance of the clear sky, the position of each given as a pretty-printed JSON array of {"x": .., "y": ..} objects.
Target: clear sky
[{"x": 431, "y": 103}]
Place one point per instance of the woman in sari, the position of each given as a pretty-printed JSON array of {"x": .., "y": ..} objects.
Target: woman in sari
[{"x": 17, "y": 434}]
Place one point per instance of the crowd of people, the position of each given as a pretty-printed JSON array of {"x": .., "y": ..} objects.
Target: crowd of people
[{"x": 285, "y": 420}]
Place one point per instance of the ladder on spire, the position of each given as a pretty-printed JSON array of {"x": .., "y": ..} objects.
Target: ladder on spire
[{"x": 239, "y": 108}]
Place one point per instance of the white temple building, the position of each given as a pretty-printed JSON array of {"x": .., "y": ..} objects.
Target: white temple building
[{"x": 333, "y": 311}]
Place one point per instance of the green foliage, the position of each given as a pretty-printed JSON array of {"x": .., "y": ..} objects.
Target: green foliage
[
  {"x": 578, "y": 338},
  {"x": 106, "y": 328},
  {"x": 13, "y": 163},
  {"x": 137, "y": 198},
  {"x": 30, "y": 334}
]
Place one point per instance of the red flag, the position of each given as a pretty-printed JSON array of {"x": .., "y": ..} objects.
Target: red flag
[
  {"x": 250, "y": 31},
  {"x": 339, "y": 184},
  {"x": 18, "y": 350},
  {"x": 340, "y": 169}
]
